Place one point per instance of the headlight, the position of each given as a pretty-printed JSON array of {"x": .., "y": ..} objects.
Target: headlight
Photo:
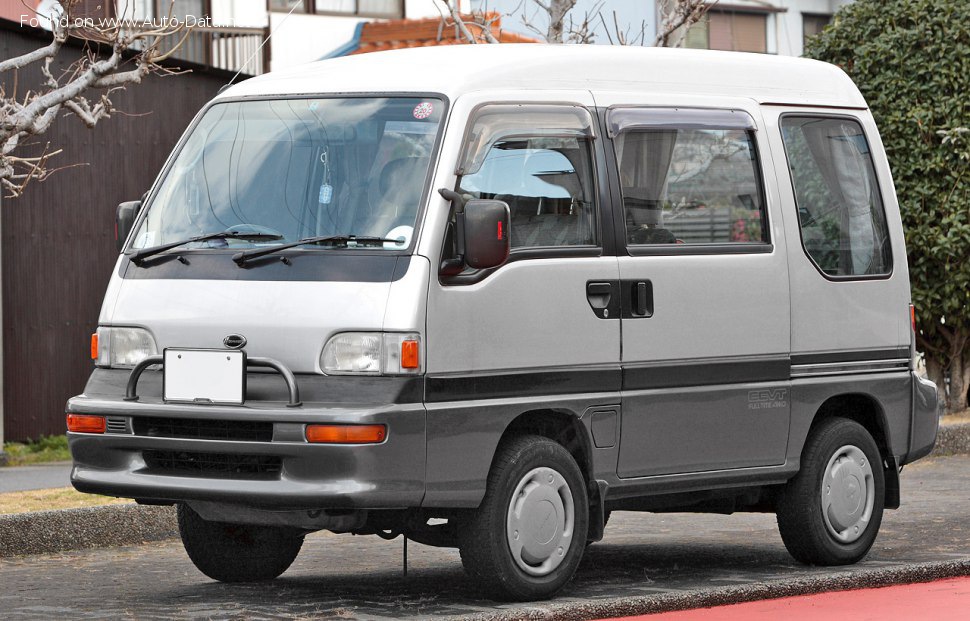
[
  {"x": 124, "y": 347},
  {"x": 372, "y": 353}
]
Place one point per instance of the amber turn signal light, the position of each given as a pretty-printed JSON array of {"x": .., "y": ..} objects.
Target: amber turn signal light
[
  {"x": 346, "y": 434},
  {"x": 94, "y": 346},
  {"x": 409, "y": 355},
  {"x": 85, "y": 423}
]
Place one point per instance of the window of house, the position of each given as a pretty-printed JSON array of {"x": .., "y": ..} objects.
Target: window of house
[
  {"x": 372, "y": 8},
  {"x": 687, "y": 185},
  {"x": 812, "y": 25},
  {"x": 288, "y": 5},
  {"x": 537, "y": 159},
  {"x": 729, "y": 30},
  {"x": 840, "y": 209},
  {"x": 156, "y": 9}
]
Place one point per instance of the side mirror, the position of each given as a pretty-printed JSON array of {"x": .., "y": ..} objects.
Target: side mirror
[
  {"x": 125, "y": 219},
  {"x": 486, "y": 233}
]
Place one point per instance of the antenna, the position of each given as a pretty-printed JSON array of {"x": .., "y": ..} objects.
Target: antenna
[{"x": 261, "y": 45}]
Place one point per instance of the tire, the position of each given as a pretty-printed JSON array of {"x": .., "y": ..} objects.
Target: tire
[
  {"x": 237, "y": 552},
  {"x": 830, "y": 513},
  {"x": 532, "y": 488}
]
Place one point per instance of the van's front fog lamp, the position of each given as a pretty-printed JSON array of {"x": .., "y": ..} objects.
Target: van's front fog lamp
[
  {"x": 123, "y": 347},
  {"x": 372, "y": 353}
]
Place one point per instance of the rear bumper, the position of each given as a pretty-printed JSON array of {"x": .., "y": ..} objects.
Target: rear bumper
[
  {"x": 925, "y": 419},
  {"x": 279, "y": 471}
]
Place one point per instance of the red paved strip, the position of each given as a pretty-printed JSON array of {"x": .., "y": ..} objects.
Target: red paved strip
[{"x": 944, "y": 600}]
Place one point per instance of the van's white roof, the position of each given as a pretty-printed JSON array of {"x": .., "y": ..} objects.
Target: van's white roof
[{"x": 456, "y": 69}]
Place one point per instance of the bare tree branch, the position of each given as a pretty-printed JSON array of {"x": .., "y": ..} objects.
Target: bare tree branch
[
  {"x": 84, "y": 88},
  {"x": 676, "y": 17}
]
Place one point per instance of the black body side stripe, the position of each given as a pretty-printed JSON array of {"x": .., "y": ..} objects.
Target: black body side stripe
[
  {"x": 677, "y": 374},
  {"x": 862, "y": 355},
  {"x": 522, "y": 384}
]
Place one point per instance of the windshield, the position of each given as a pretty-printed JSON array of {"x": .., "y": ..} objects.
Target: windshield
[{"x": 297, "y": 168}]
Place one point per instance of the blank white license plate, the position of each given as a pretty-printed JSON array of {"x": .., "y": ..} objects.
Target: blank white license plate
[{"x": 205, "y": 376}]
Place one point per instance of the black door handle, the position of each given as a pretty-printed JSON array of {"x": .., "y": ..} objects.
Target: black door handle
[
  {"x": 599, "y": 294},
  {"x": 637, "y": 299},
  {"x": 601, "y": 298}
]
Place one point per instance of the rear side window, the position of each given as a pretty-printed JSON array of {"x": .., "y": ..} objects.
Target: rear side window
[
  {"x": 690, "y": 185},
  {"x": 840, "y": 210}
]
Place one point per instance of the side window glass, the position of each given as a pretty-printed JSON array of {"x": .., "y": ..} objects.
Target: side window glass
[
  {"x": 840, "y": 210},
  {"x": 538, "y": 160},
  {"x": 691, "y": 186}
]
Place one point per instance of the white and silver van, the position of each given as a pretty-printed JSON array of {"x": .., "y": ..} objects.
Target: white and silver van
[{"x": 482, "y": 296}]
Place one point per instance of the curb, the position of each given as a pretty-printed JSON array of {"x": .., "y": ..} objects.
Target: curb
[
  {"x": 43, "y": 532},
  {"x": 706, "y": 598}
]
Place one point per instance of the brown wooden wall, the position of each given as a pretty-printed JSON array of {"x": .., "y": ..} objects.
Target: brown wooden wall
[{"x": 57, "y": 240}]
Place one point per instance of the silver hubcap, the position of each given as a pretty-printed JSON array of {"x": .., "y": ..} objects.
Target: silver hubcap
[
  {"x": 847, "y": 494},
  {"x": 540, "y": 522}
]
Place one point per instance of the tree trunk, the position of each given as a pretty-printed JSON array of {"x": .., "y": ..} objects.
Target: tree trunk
[{"x": 957, "y": 399}]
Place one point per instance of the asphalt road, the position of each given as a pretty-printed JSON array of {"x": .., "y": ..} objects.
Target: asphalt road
[
  {"x": 644, "y": 557},
  {"x": 42, "y": 476}
]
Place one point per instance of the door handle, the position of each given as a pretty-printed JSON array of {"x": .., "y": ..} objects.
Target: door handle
[
  {"x": 602, "y": 298},
  {"x": 599, "y": 294},
  {"x": 637, "y": 299}
]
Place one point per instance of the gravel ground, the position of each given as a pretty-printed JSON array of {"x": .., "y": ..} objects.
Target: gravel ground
[{"x": 646, "y": 563}]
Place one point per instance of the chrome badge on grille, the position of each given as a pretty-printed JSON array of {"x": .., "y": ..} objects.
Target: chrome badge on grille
[{"x": 234, "y": 341}]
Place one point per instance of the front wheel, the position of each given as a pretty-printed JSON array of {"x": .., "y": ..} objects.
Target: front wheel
[
  {"x": 237, "y": 552},
  {"x": 830, "y": 513},
  {"x": 526, "y": 539}
]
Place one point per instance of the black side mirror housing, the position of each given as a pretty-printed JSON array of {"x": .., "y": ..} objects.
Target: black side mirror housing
[
  {"x": 486, "y": 227},
  {"x": 125, "y": 220}
]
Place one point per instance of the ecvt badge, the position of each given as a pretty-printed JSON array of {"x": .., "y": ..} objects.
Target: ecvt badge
[{"x": 234, "y": 341}]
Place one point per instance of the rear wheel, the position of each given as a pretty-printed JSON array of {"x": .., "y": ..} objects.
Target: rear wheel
[
  {"x": 527, "y": 538},
  {"x": 237, "y": 552},
  {"x": 830, "y": 513}
]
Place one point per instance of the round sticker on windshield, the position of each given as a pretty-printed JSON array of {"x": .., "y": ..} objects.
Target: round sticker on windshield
[{"x": 423, "y": 110}]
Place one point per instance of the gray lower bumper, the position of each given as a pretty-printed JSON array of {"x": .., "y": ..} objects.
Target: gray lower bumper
[
  {"x": 305, "y": 476},
  {"x": 925, "y": 421}
]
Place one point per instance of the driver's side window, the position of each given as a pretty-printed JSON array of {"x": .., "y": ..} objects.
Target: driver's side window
[{"x": 537, "y": 159}]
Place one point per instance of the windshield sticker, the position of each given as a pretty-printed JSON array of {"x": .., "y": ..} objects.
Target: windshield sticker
[
  {"x": 313, "y": 105},
  {"x": 423, "y": 110}
]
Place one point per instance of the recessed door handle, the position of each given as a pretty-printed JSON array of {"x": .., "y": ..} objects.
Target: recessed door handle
[{"x": 599, "y": 294}]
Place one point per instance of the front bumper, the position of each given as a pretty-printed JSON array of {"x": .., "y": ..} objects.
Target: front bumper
[{"x": 280, "y": 470}]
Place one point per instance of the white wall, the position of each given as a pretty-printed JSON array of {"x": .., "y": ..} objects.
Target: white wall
[
  {"x": 416, "y": 9},
  {"x": 239, "y": 13},
  {"x": 299, "y": 39},
  {"x": 790, "y": 36}
]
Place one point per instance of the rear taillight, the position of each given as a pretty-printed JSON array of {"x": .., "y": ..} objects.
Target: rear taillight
[{"x": 912, "y": 317}]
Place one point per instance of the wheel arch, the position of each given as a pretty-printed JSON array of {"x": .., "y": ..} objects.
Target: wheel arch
[
  {"x": 866, "y": 410},
  {"x": 561, "y": 426}
]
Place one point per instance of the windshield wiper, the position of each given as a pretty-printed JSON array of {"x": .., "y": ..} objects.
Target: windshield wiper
[
  {"x": 140, "y": 255},
  {"x": 334, "y": 240}
]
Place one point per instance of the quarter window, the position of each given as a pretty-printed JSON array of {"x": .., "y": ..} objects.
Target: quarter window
[
  {"x": 840, "y": 211},
  {"x": 690, "y": 186}
]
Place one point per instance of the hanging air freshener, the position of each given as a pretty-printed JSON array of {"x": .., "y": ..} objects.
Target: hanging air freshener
[{"x": 326, "y": 190}]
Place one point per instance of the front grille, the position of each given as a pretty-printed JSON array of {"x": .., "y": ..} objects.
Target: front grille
[
  {"x": 214, "y": 465},
  {"x": 200, "y": 429}
]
